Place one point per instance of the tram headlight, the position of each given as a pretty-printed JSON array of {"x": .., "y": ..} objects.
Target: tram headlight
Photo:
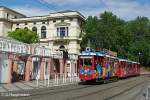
[
  {"x": 82, "y": 71},
  {"x": 90, "y": 72}
]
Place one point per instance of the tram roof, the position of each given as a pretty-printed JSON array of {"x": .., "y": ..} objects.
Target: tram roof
[
  {"x": 135, "y": 62},
  {"x": 111, "y": 57},
  {"x": 92, "y": 53},
  {"x": 123, "y": 60},
  {"x": 129, "y": 61}
]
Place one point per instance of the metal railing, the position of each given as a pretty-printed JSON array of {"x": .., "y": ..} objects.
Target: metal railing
[
  {"x": 57, "y": 79},
  {"x": 65, "y": 37},
  {"x": 8, "y": 45},
  {"x": 73, "y": 56}
]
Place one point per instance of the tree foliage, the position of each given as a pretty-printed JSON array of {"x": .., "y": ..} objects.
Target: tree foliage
[
  {"x": 128, "y": 38},
  {"x": 24, "y": 35}
]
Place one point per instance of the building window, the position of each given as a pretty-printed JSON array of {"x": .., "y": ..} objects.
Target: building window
[
  {"x": 17, "y": 24},
  {"x": 71, "y": 19},
  {"x": 62, "y": 20},
  {"x": 62, "y": 31},
  {"x": 17, "y": 28},
  {"x": 34, "y": 29},
  {"x": 48, "y": 22},
  {"x": 67, "y": 31},
  {"x": 7, "y": 15},
  {"x": 15, "y": 16},
  {"x": 57, "y": 31},
  {"x": 26, "y": 23},
  {"x": 54, "y": 21},
  {"x": 26, "y": 28},
  {"x": 43, "y": 32},
  {"x": 34, "y": 23},
  {"x": 43, "y": 22}
]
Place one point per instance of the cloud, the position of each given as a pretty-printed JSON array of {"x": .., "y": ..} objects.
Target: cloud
[
  {"x": 31, "y": 11},
  {"x": 126, "y": 9},
  {"x": 72, "y": 3}
]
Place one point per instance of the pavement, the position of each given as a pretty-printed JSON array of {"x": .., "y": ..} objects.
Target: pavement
[
  {"x": 126, "y": 89},
  {"x": 27, "y": 86},
  {"x": 134, "y": 88},
  {"x": 145, "y": 92}
]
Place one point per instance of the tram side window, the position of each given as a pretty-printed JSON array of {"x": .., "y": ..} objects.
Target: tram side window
[
  {"x": 86, "y": 62},
  {"x": 81, "y": 62}
]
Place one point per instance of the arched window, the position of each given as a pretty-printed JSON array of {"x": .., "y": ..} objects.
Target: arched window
[
  {"x": 26, "y": 28},
  {"x": 34, "y": 29},
  {"x": 43, "y": 32},
  {"x": 62, "y": 47},
  {"x": 17, "y": 28}
]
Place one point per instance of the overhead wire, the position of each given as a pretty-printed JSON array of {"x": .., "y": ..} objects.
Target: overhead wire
[{"x": 45, "y": 4}]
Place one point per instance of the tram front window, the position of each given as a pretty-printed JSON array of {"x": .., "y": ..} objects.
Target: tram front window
[{"x": 86, "y": 62}]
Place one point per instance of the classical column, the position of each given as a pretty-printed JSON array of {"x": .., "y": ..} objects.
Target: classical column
[
  {"x": 52, "y": 67},
  {"x": 65, "y": 70},
  {"x": 42, "y": 65},
  {"x": 27, "y": 69},
  {"x": 72, "y": 68},
  {"x": 61, "y": 62},
  {"x": 10, "y": 66},
  {"x": 49, "y": 65},
  {"x": 75, "y": 67}
]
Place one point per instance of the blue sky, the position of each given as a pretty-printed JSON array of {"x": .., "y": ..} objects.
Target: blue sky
[{"x": 126, "y": 9}]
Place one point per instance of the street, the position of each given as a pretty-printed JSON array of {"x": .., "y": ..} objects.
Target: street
[{"x": 126, "y": 89}]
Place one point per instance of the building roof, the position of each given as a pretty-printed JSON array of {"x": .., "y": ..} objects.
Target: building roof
[
  {"x": 12, "y": 10},
  {"x": 68, "y": 11},
  {"x": 60, "y": 14}
]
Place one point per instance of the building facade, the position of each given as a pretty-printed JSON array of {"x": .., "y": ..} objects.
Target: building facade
[
  {"x": 57, "y": 31},
  {"x": 60, "y": 30}
]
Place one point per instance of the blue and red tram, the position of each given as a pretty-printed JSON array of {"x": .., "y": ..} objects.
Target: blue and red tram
[
  {"x": 123, "y": 68},
  {"x": 92, "y": 66},
  {"x": 99, "y": 66}
]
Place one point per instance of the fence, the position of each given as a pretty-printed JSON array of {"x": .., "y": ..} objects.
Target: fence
[{"x": 57, "y": 79}]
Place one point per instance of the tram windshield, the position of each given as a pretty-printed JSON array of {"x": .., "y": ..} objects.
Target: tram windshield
[{"x": 86, "y": 62}]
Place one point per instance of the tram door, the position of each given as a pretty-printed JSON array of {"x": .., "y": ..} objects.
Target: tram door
[{"x": 35, "y": 68}]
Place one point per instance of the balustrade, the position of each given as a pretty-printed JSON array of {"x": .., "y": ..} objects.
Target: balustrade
[
  {"x": 11, "y": 46},
  {"x": 73, "y": 56}
]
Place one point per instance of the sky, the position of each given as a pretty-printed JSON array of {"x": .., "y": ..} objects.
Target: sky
[{"x": 125, "y": 9}]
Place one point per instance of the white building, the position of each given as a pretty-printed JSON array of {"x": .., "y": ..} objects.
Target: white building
[{"x": 56, "y": 30}]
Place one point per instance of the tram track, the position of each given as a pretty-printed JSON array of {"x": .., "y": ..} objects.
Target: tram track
[
  {"x": 124, "y": 91},
  {"x": 47, "y": 91},
  {"x": 59, "y": 91},
  {"x": 105, "y": 91}
]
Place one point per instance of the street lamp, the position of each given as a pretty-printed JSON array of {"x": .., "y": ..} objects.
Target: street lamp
[{"x": 139, "y": 60}]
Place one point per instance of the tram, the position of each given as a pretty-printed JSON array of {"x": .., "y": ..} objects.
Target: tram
[{"x": 100, "y": 66}]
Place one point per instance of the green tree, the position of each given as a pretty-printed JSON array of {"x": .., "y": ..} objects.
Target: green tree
[
  {"x": 103, "y": 31},
  {"x": 128, "y": 38},
  {"x": 24, "y": 35},
  {"x": 140, "y": 29}
]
